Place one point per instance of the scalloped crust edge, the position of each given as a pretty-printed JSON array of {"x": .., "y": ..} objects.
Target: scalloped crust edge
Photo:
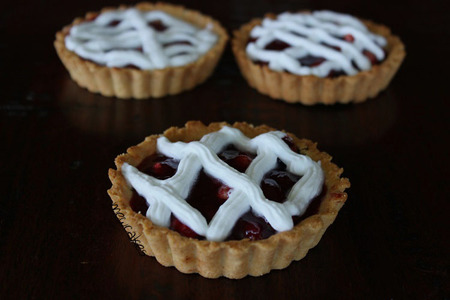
[
  {"x": 311, "y": 90},
  {"x": 129, "y": 83},
  {"x": 231, "y": 259}
]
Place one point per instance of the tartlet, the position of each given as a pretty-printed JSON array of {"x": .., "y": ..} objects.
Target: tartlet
[
  {"x": 311, "y": 89},
  {"x": 152, "y": 80},
  {"x": 232, "y": 258}
]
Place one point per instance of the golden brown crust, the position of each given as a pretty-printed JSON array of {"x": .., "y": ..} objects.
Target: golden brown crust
[
  {"x": 140, "y": 84},
  {"x": 310, "y": 90},
  {"x": 232, "y": 259}
]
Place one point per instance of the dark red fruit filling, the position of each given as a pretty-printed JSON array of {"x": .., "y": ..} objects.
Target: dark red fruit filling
[
  {"x": 223, "y": 192},
  {"x": 209, "y": 193},
  {"x": 277, "y": 183},
  {"x": 159, "y": 166},
  {"x": 290, "y": 142},
  {"x": 331, "y": 46},
  {"x": 113, "y": 23},
  {"x": 177, "y": 43},
  {"x": 313, "y": 207},
  {"x": 349, "y": 38},
  {"x": 251, "y": 227},
  {"x": 335, "y": 73},
  {"x": 160, "y": 26},
  {"x": 181, "y": 228},
  {"x": 236, "y": 159},
  {"x": 157, "y": 25},
  {"x": 138, "y": 204},
  {"x": 277, "y": 45},
  {"x": 370, "y": 56},
  {"x": 313, "y": 61}
]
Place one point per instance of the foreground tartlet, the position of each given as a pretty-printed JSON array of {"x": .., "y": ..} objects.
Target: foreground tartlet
[
  {"x": 317, "y": 57},
  {"x": 149, "y": 50},
  {"x": 226, "y": 200}
]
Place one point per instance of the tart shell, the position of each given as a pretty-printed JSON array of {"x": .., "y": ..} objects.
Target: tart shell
[
  {"x": 310, "y": 90},
  {"x": 136, "y": 83},
  {"x": 231, "y": 259}
]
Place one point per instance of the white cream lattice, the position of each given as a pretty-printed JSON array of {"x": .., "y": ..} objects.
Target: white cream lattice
[
  {"x": 309, "y": 34},
  {"x": 168, "y": 196},
  {"x": 134, "y": 42}
]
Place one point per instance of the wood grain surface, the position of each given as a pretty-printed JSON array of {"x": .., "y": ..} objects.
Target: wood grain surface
[{"x": 59, "y": 237}]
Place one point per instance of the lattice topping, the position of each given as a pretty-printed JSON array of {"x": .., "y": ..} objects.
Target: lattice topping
[
  {"x": 338, "y": 38},
  {"x": 144, "y": 39},
  {"x": 168, "y": 196}
]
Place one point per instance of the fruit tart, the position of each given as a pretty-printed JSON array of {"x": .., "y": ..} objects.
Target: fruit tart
[
  {"x": 149, "y": 50},
  {"x": 226, "y": 200},
  {"x": 317, "y": 57}
]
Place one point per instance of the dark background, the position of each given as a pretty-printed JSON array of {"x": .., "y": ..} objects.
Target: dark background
[{"x": 59, "y": 237}]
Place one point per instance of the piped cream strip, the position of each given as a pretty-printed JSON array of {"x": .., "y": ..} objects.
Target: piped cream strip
[
  {"x": 116, "y": 46},
  {"x": 306, "y": 34},
  {"x": 169, "y": 195}
]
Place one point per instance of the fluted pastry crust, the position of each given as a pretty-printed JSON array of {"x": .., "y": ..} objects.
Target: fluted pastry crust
[
  {"x": 310, "y": 90},
  {"x": 140, "y": 84},
  {"x": 232, "y": 259}
]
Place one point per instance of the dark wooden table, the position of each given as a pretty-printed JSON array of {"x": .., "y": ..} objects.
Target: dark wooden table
[{"x": 59, "y": 237}]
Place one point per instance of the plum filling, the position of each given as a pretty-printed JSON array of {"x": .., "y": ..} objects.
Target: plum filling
[
  {"x": 314, "y": 61},
  {"x": 209, "y": 193}
]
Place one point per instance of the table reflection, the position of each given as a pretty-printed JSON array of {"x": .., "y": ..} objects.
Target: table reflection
[{"x": 336, "y": 126}]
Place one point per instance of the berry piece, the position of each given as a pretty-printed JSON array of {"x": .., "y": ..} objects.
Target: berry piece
[
  {"x": 113, "y": 23},
  {"x": 277, "y": 45},
  {"x": 241, "y": 162},
  {"x": 252, "y": 227},
  {"x": 272, "y": 190},
  {"x": 159, "y": 166},
  {"x": 335, "y": 73},
  {"x": 311, "y": 61},
  {"x": 138, "y": 204},
  {"x": 371, "y": 57},
  {"x": 349, "y": 38},
  {"x": 252, "y": 231},
  {"x": 181, "y": 228},
  {"x": 283, "y": 178},
  {"x": 157, "y": 25},
  {"x": 223, "y": 192},
  {"x": 162, "y": 170},
  {"x": 290, "y": 142},
  {"x": 236, "y": 159}
]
